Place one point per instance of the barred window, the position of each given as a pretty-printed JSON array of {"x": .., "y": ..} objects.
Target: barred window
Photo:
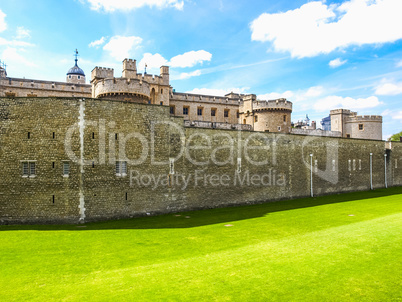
[
  {"x": 66, "y": 168},
  {"x": 28, "y": 169},
  {"x": 121, "y": 168}
]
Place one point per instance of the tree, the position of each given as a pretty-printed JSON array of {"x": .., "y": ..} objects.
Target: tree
[{"x": 396, "y": 137}]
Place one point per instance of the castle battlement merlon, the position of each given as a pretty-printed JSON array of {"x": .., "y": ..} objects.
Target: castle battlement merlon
[
  {"x": 279, "y": 104},
  {"x": 364, "y": 118},
  {"x": 200, "y": 98},
  {"x": 101, "y": 73}
]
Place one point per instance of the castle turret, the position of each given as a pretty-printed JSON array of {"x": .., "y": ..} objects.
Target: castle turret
[
  {"x": 75, "y": 74},
  {"x": 268, "y": 116},
  {"x": 165, "y": 75},
  {"x": 129, "y": 69}
]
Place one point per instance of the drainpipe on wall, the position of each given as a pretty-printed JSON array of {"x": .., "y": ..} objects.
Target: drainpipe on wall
[
  {"x": 371, "y": 171},
  {"x": 311, "y": 175},
  {"x": 385, "y": 170}
]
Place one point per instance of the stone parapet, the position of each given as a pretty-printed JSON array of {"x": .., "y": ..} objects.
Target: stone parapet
[
  {"x": 199, "y": 98},
  {"x": 213, "y": 125},
  {"x": 111, "y": 86},
  {"x": 364, "y": 118}
]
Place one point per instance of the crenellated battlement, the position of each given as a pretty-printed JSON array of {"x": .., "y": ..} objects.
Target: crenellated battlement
[
  {"x": 364, "y": 118},
  {"x": 200, "y": 98},
  {"x": 112, "y": 86},
  {"x": 101, "y": 73},
  {"x": 279, "y": 104}
]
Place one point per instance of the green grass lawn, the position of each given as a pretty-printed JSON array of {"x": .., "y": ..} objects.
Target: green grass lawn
[{"x": 335, "y": 248}]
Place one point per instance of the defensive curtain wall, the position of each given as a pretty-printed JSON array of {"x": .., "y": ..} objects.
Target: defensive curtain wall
[{"x": 67, "y": 160}]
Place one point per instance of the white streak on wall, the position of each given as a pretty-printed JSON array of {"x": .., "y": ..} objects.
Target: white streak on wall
[{"x": 81, "y": 124}]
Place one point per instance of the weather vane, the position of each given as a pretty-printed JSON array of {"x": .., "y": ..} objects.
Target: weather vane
[
  {"x": 145, "y": 72},
  {"x": 76, "y": 56}
]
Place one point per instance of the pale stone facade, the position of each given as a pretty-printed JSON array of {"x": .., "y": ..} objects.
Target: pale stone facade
[
  {"x": 16, "y": 87},
  {"x": 267, "y": 116},
  {"x": 351, "y": 125},
  {"x": 132, "y": 86},
  {"x": 233, "y": 109}
]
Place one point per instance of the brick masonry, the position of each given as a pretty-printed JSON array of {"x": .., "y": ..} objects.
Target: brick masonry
[{"x": 169, "y": 167}]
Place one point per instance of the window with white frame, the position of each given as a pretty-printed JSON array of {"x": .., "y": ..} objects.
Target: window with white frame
[
  {"x": 28, "y": 168},
  {"x": 66, "y": 169},
  {"x": 121, "y": 168}
]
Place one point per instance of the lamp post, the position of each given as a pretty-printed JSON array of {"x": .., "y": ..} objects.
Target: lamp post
[
  {"x": 311, "y": 175},
  {"x": 371, "y": 171}
]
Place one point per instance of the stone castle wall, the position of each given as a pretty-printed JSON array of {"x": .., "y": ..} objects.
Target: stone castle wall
[
  {"x": 192, "y": 102},
  {"x": 169, "y": 167},
  {"x": 36, "y": 88}
]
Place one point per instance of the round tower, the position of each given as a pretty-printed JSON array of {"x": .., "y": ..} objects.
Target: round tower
[{"x": 75, "y": 74}]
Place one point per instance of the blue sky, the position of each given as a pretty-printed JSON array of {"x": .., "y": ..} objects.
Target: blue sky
[{"x": 321, "y": 55}]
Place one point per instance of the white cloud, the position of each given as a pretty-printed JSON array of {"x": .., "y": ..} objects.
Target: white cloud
[
  {"x": 317, "y": 28},
  {"x": 294, "y": 96},
  {"x": 314, "y": 91},
  {"x": 388, "y": 88},
  {"x": 15, "y": 43},
  {"x": 121, "y": 47},
  {"x": 154, "y": 62},
  {"x": 218, "y": 92},
  {"x": 125, "y": 5},
  {"x": 23, "y": 33},
  {"x": 336, "y": 63},
  {"x": 334, "y": 102},
  {"x": 399, "y": 64},
  {"x": 190, "y": 59},
  {"x": 396, "y": 115},
  {"x": 3, "y": 24},
  {"x": 186, "y": 75},
  {"x": 276, "y": 95},
  {"x": 97, "y": 43},
  {"x": 12, "y": 57}
]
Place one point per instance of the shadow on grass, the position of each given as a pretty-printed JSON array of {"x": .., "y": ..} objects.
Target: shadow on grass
[{"x": 211, "y": 216}]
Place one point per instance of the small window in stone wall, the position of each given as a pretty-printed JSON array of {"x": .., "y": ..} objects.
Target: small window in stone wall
[
  {"x": 361, "y": 127},
  {"x": 66, "y": 169},
  {"x": 255, "y": 118},
  {"x": 213, "y": 112},
  {"x": 54, "y": 135},
  {"x": 53, "y": 165},
  {"x": 226, "y": 113},
  {"x": 279, "y": 128},
  {"x": 28, "y": 169},
  {"x": 284, "y": 118},
  {"x": 172, "y": 111},
  {"x": 121, "y": 168},
  {"x": 199, "y": 111},
  {"x": 29, "y": 135},
  {"x": 79, "y": 77},
  {"x": 161, "y": 103},
  {"x": 347, "y": 135},
  {"x": 185, "y": 110},
  {"x": 237, "y": 114},
  {"x": 161, "y": 91}
]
